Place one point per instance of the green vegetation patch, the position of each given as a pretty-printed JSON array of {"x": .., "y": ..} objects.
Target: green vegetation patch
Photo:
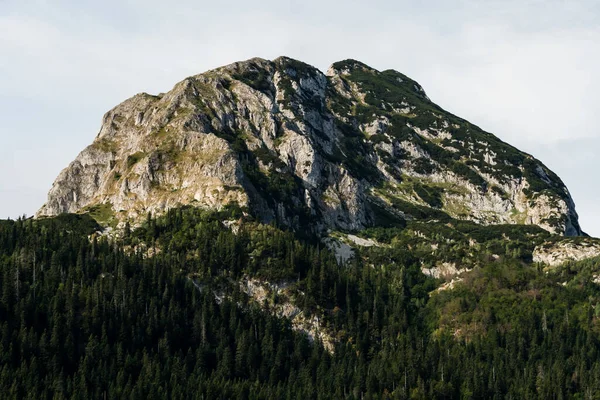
[
  {"x": 134, "y": 158},
  {"x": 258, "y": 79},
  {"x": 106, "y": 145},
  {"x": 429, "y": 194},
  {"x": 103, "y": 214}
]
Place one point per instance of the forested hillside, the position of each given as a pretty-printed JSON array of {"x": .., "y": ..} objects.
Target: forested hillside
[{"x": 159, "y": 312}]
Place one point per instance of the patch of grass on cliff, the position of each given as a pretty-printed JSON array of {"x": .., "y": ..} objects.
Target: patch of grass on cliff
[
  {"x": 429, "y": 194},
  {"x": 106, "y": 145},
  {"x": 301, "y": 69},
  {"x": 389, "y": 87},
  {"x": 257, "y": 79},
  {"x": 161, "y": 133},
  {"x": 134, "y": 158},
  {"x": 103, "y": 214}
]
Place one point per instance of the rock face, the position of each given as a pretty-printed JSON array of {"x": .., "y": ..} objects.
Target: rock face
[
  {"x": 556, "y": 253},
  {"x": 344, "y": 150},
  {"x": 262, "y": 292}
]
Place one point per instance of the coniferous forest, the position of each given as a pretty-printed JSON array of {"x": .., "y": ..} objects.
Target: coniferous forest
[{"x": 156, "y": 312}]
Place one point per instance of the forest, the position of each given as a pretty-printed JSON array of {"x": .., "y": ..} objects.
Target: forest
[{"x": 156, "y": 313}]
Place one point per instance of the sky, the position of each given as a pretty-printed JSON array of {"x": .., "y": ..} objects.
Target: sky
[{"x": 524, "y": 70}]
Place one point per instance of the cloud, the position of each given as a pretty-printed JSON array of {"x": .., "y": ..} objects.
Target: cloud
[
  {"x": 485, "y": 66},
  {"x": 538, "y": 87}
]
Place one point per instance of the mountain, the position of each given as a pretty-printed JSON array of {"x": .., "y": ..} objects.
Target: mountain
[
  {"x": 265, "y": 231},
  {"x": 346, "y": 150}
]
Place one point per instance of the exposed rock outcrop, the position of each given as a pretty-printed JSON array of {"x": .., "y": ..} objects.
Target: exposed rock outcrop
[
  {"x": 559, "y": 252},
  {"x": 263, "y": 292},
  {"x": 347, "y": 150}
]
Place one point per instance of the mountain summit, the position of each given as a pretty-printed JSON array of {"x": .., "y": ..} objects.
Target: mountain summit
[{"x": 348, "y": 149}]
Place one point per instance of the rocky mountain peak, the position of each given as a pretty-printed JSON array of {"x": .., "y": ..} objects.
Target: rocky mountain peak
[
  {"x": 346, "y": 67},
  {"x": 349, "y": 149}
]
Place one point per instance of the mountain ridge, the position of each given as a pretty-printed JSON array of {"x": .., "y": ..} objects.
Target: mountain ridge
[
  {"x": 348, "y": 149},
  {"x": 279, "y": 230}
]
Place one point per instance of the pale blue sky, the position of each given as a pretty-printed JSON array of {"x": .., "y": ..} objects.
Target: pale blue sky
[{"x": 524, "y": 70}]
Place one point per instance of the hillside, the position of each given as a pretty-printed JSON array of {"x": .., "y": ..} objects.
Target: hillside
[
  {"x": 346, "y": 150},
  {"x": 196, "y": 305},
  {"x": 267, "y": 231}
]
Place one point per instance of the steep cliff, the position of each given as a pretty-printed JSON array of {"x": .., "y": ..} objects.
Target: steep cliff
[{"x": 349, "y": 149}]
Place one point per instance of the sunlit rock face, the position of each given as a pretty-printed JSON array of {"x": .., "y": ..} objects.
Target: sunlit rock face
[
  {"x": 344, "y": 150},
  {"x": 558, "y": 252}
]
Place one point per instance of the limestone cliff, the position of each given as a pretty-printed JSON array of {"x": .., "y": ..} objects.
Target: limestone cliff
[
  {"x": 555, "y": 253},
  {"x": 344, "y": 150}
]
